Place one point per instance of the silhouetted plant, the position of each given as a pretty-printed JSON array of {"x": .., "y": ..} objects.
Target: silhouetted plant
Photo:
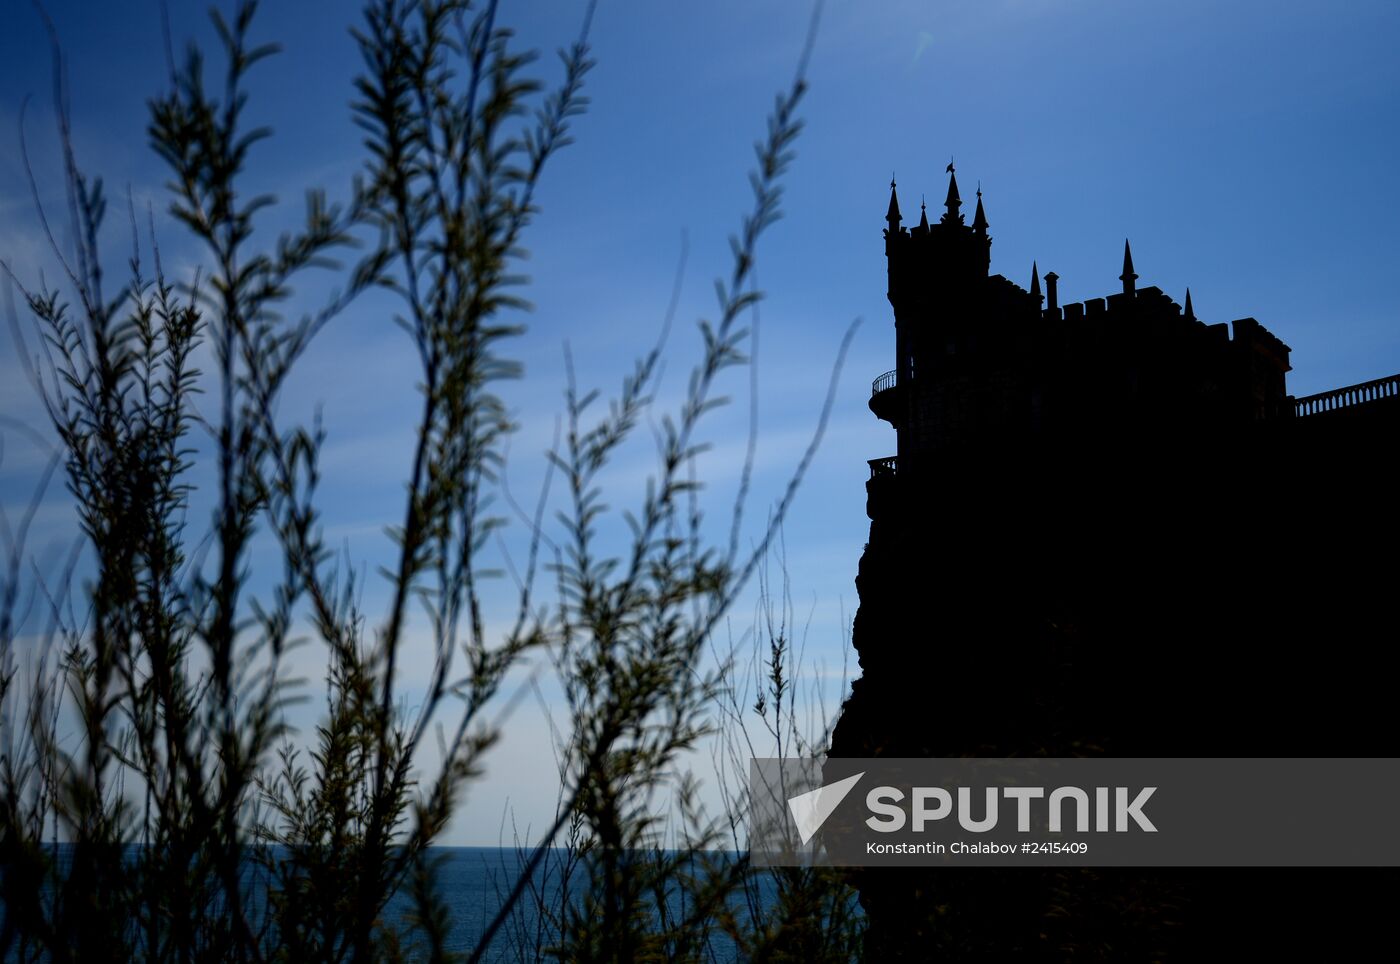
[
  {"x": 792, "y": 913},
  {"x": 156, "y": 715}
]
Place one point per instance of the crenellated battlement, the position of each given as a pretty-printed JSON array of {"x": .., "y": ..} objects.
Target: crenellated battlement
[{"x": 1152, "y": 306}]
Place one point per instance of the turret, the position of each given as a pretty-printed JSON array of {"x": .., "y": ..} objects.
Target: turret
[
  {"x": 892, "y": 217},
  {"x": 892, "y": 235},
  {"x": 1128, "y": 277},
  {"x": 953, "y": 201}
]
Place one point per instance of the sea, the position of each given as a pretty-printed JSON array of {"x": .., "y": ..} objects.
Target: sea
[{"x": 474, "y": 884}]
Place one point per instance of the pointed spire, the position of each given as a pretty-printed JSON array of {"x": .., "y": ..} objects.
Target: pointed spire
[
  {"x": 979, "y": 220},
  {"x": 953, "y": 201},
  {"x": 923, "y": 216},
  {"x": 1129, "y": 276},
  {"x": 892, "y": 215},
  {"x": 1035, "y": 282},
  {"x": 1190, "y": 312}
]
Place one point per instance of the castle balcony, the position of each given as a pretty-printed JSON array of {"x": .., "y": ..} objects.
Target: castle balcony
[
  {"x": 880, "y": 468},
  {"x": 882, "y": 491},
  {"x": 1364, "y": 396},
  {"x": 887, "y": 398}
]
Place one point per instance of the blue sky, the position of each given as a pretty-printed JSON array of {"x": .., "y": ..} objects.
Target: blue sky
[{"x": 1246, "y": 148}]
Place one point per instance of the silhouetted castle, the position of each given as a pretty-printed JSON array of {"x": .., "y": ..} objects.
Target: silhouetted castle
[
  {"x": 980, "y": 358},
  {"x": 1109, "y": 529}
]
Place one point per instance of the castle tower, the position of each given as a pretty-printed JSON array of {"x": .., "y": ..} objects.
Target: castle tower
[{"x": 935, "y": 275}]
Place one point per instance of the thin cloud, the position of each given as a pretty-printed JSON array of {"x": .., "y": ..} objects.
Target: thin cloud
[{"x": 921, "y": 43}]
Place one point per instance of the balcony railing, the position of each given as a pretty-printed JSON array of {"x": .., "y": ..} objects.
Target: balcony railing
[
  {"x": 884, "y": 382},
  {"x": 1348, "y": 397},
  {"x": 880, "y": 468}
]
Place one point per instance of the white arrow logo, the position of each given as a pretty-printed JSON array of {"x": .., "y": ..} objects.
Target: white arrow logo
[{"x": 811, "y": 809}]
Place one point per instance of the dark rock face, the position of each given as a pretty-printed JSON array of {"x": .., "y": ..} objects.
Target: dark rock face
[{"x": 1108, "y": 530}]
